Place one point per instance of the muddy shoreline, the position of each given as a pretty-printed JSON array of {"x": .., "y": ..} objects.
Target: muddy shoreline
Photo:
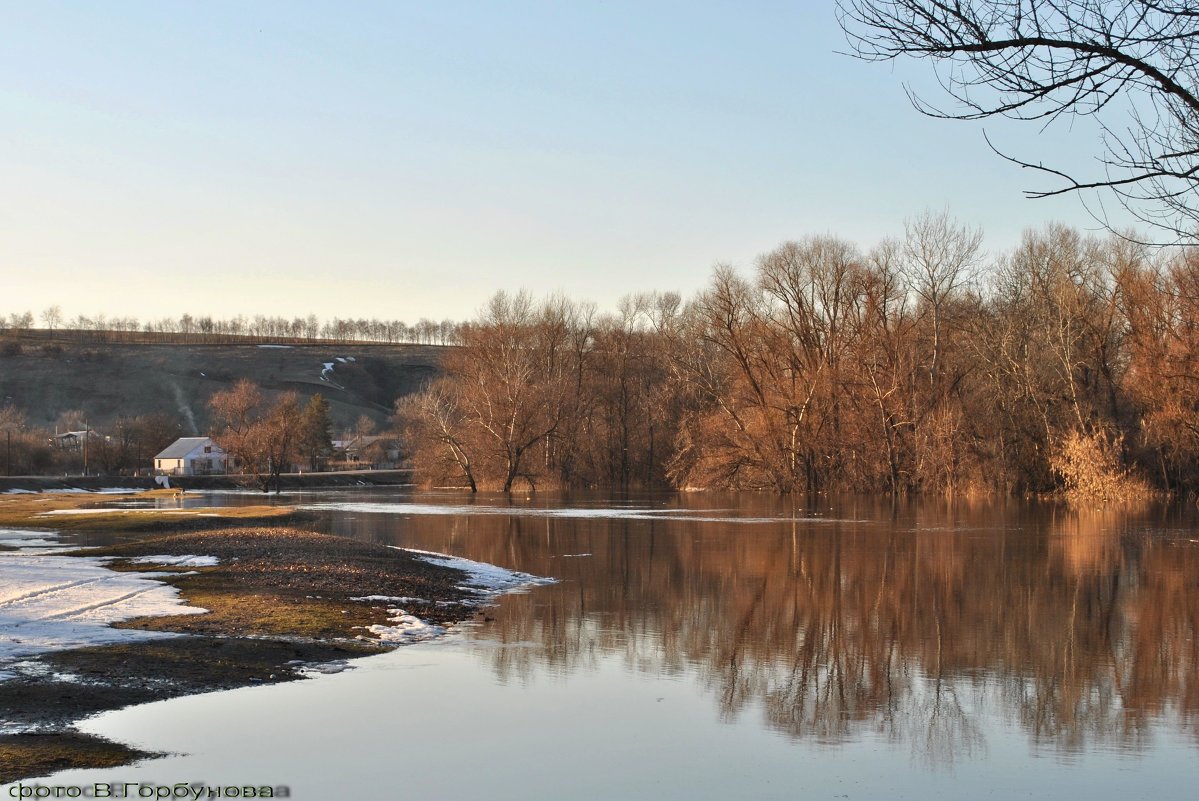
[{"x": 283, "y": 603}]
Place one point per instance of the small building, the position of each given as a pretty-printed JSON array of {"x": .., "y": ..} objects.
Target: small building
[
  {"x": 372, "y": 453},
  {"x": 192, "y": 456},
  {"x": 73, "y": 440}
]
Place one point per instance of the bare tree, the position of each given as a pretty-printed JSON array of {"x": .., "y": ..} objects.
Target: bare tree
[
  {"x": 52, "y": 317},
  {"x": 939, "y": 257},
  {"x": 1131, "y": 65},
  {"x": 263, "y": 441}
]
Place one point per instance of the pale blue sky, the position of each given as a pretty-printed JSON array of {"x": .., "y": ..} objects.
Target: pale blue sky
[{"x": 406, "y": 159}]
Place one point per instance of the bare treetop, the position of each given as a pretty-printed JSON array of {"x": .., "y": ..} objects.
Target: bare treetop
[{"x": 1132, "y": 65}]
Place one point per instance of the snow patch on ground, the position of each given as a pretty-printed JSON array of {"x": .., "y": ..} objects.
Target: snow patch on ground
[
  {"x": 28, "y": 539},
  {"x": 327, "y": 372},
  {"x": 483, "y": 577},
  {"x": 324, "y": 668},
  {"x": 405, "y": 628},
  {"x": 51, "y": 603},
  {"x": 177, "y": 561},
  {"x": 391, "y": 599},
  {"x": 597, "y": 513}
]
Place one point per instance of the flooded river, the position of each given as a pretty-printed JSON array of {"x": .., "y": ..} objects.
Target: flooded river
[{"x": 720, "y": 647}]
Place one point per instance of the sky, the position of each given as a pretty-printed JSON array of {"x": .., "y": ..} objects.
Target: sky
[{"x": 402, "y": 160}]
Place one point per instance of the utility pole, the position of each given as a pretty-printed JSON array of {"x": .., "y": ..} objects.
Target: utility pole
[{"x": 86, "y": 437}]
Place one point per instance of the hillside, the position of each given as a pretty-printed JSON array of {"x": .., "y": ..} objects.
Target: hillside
[{"x": 107, "y": 380}]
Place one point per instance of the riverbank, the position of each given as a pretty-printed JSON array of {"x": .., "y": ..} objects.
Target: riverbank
[
  {"x": 282, "y": 603},
  {"x": 287, "y": 481}
]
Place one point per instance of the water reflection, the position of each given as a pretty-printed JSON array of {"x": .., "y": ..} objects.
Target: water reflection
[{"x": 924, "y": 624}]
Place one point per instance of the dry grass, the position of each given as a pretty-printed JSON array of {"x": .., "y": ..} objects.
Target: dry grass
[{"x": 26, "y": 755}]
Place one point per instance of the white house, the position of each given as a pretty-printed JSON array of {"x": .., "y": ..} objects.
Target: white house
[{"x": 192, "y": 456}]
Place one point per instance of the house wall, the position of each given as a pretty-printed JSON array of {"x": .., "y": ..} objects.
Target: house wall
[
  {"x": 172, "y": 467},
  {"x": 206, "y": 463}
]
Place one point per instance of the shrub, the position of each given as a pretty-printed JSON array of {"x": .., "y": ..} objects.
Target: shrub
[{"x": 1090, "y": 468}]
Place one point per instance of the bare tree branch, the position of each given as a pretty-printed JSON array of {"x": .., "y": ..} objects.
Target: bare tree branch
[{"x": 1049, "y": 59}]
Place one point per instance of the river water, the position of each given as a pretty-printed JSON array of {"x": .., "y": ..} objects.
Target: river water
[{"x": 707, "y": 646}]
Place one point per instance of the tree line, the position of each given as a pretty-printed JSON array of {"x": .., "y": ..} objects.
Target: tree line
[
  {"x": 919, "y": 365},
  {"x": 206, "y": 329}
]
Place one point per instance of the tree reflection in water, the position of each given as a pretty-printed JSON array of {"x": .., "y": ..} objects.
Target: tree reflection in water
[{"x": 921, "y": 623}]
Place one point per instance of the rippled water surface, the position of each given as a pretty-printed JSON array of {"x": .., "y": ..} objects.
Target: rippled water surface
[{"x": 741, "y": 647}]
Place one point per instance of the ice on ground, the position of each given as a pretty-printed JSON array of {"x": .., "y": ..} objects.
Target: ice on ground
[
  {"x": 177, "y": 561},
  {"x": 391, "y": 599},
  {"x": 341, "y": 359},
  {"x": 405, "y": 628},
  {"x": 325, "y": 668},
  {"x": 20, "y": 492},
  {"x": 26, "y": 538},
  {"x": 596, "y": 513},
  {"x": 574, "y": 555},
  {"x": 483, "y": 577},
  {"x": 51, "y": 603}
]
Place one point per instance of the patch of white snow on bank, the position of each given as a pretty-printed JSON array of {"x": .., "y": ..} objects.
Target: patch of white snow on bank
[
  {"x": 405, "y": 628},
  {"x": 51, "y": 603},
  {"x": 394, "y": 599},
  {"x": 325, "y": 668},
  {"x": 177, "y": 561},
  {"x": 594, "y": 513},
  {"x": 28, "y": 539},
  {"x": 20, "y": 492},
  {"x": 483, "y": 577}
]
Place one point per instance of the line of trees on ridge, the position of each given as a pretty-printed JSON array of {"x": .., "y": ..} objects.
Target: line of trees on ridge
[{"x": 206, "y": 329}]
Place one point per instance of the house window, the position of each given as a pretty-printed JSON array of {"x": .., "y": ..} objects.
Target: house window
[{"x": 208, "y": 449}]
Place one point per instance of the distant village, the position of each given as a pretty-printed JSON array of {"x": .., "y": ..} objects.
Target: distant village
[
  {"x": 204, "y": 456},
  {"x": 251, "y": 436}
]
